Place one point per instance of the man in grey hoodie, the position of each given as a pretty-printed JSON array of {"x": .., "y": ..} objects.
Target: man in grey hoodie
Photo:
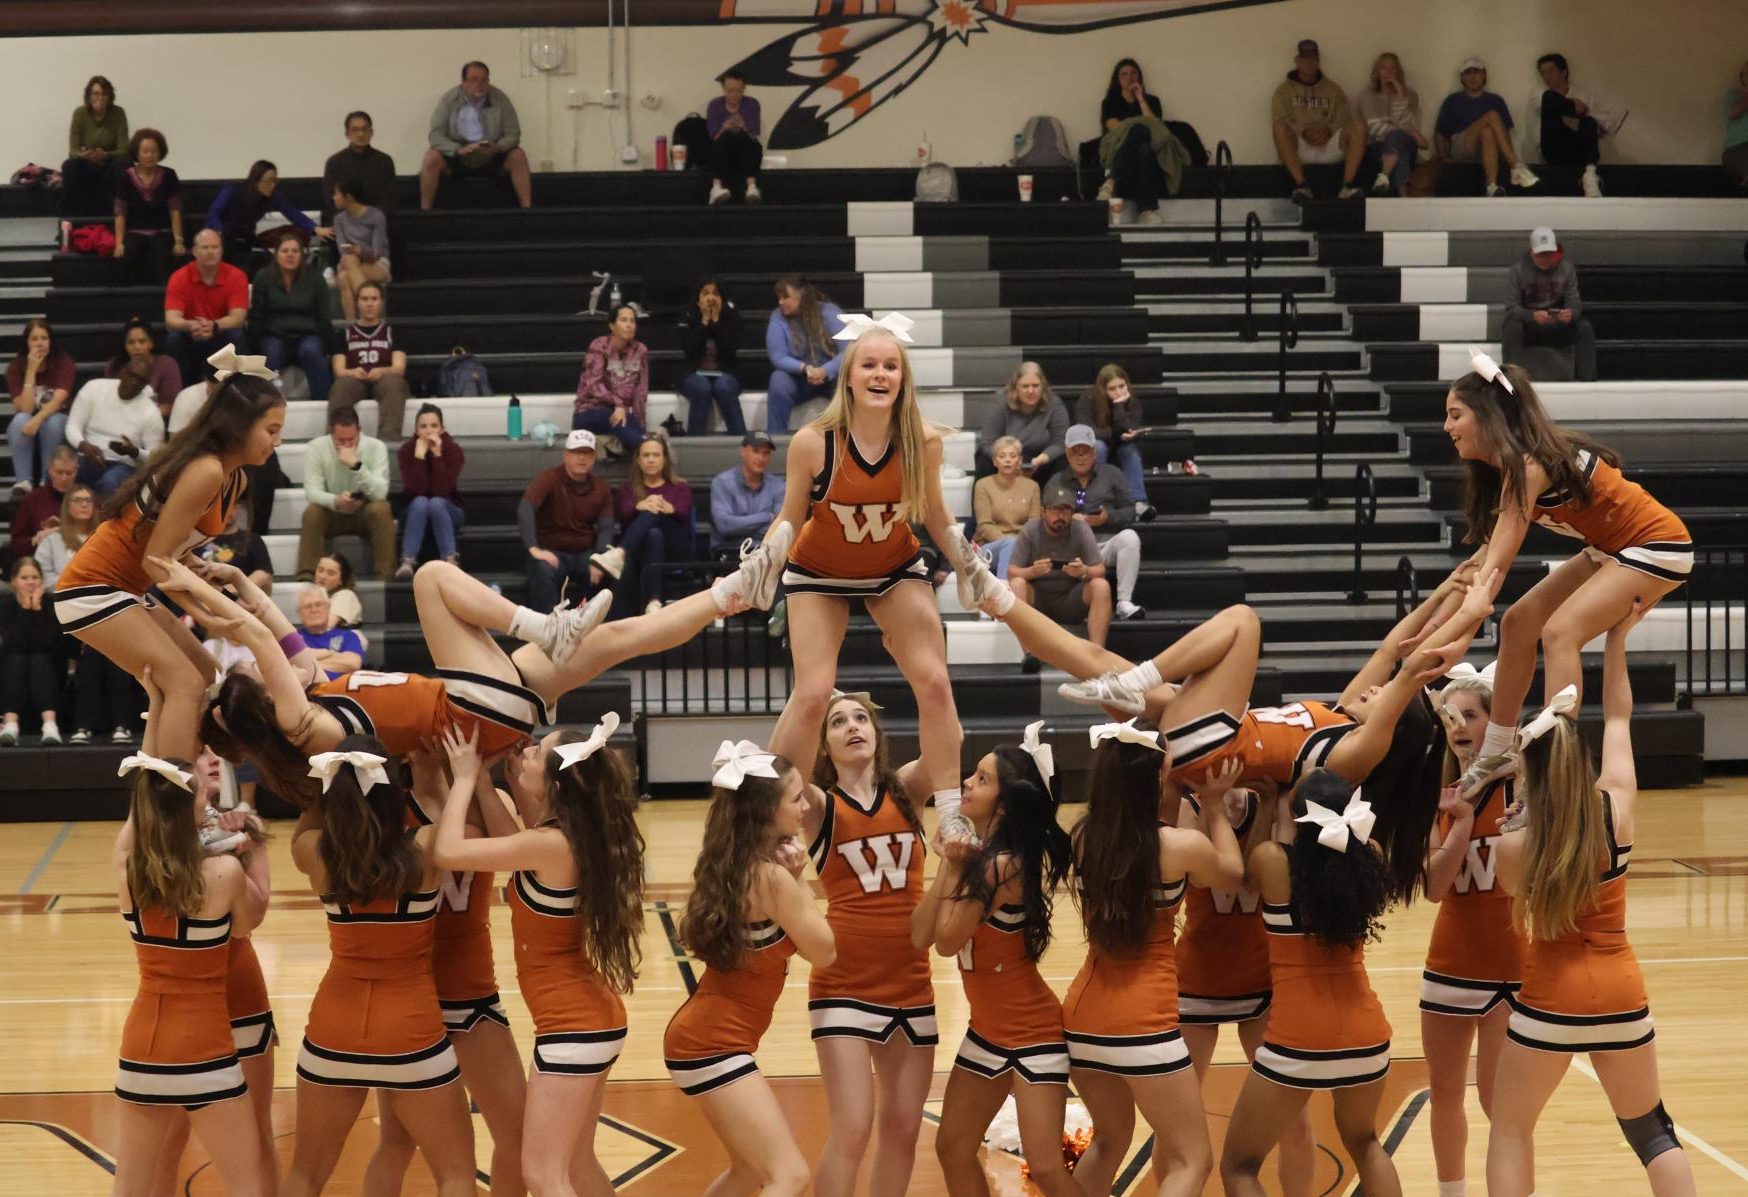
[{"x": 1545, "y": 308}]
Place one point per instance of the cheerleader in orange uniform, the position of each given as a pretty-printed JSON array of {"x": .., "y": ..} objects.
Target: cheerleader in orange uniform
[
  {"x": 1323, "y": 890},
  {"x": 1582, "y": 989},
  {"x": 990, "y": 907},
  {"x": 1120, "y": 1017},
  {"x": 749, "y": 912}
]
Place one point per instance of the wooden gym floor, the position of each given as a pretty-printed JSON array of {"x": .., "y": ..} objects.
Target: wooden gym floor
[{"x": 67, "y": 975}]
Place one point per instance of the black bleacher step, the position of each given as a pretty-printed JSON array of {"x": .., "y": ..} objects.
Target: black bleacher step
[
  {"x": 1301, "y": 399},
  {"x": 1612, "y": 321},
  {"x": 1332, "y": 573},
  {"x": 1678, "y": 486},
  {"x": 1707, "y": 526},
  {"x": 1179, "y": 494},
  {"x": 1267, "y": 323},
  {"x": 1197, "y": 249},
  {"x": 1297, "y": 480},
  {"x": 1267, "y": 287},
  {"x": 1213, "y": 440},
  {"x": 1653, "y": 678},
  {"x": 1169, "y": 590},
  {"x": 1631, "y": 284},
  {"x": 1210, "y": 360},
  {"x": 1406, "y": 526},
  {"x": 1666, "y": 359},
  {"x": 1181, "y": 538}
]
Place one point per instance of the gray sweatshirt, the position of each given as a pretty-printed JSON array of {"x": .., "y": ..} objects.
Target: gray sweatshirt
[
  {"x": 1534, "y": 289},
  {"x": 1040, "y": 431},
  {"x": 1106, "y": 488}
]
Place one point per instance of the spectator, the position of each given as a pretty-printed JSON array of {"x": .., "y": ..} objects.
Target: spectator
[
  {"x": 1140, "y": 155},
  {"x": 148, "y": 211},
  {"x": 1474, "y": 125},
  {"x": 1545, "y": 308},
  {"x": 369, "y": 366},
  {"x": 205, "y": 307},
  {"x": 614, "y": 387},
  {"x": 96, "y": 142},
  {"x": 78, "y": 518},
  {"x": 1312, "y": 124},
  {"x": 105, "y": 698},
  {"x": 1572, "y": 124},
  {"x": 239, "y": 208},
  {"x": 138, "y": 344},
  {"x": 735, "y": 152},
  {"x": 338, "y": 650},
  {"x": 187, "y": 404},
  {"x": 345, "y": 480},
  {"x": 564, "y": 514},
  {"x": 334, "y": 574},
  {"x": 474, "y": 132},
  {"x": 1736, "y": 129},
  {"x": 431, "y": 463},
  {"x": 1102, "y": 500},
  {"x": 1390, "y": 111},
  {"x": 39, "y": 513},
  {"x": 654, "y": 509},
  {"x": 1031, "y": 415},
  {"x": 368, "y": 171},
  {"x": 711, "y": 335},
  {"x": 291, "y": 314},
  {"x": 240, "y": 547},
  {"x": 114, "y": 424},
  {"x": 744, "y": 499},
  {"x": 32, "y": 655},
  {"x": 40, "y": 381},
  {"x": 361, "y": 232},
  {"x": 804, "y": 358},
  {"x": 1004, "y": 501},
  {"x": 1056, "y": 567},
  {"x": 1115, "y": 415}
]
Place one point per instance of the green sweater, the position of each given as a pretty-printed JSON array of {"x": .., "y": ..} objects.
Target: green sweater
[
  {"x": 325, "y": 478},
  {"x": 86, "y": 133},
  {"x": 306, "y": 309}
]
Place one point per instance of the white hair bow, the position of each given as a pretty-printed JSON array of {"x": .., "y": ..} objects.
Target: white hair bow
[
  {"x": 1124, "y": 733},
  {"x": 735, "y": 762},
  {"x": 155, "y": 764},
  {"x": 1489, "y": 369},
  {"x": 1463, "y": 671},
  {"x": 1041, "y": 753},
  {"x": 896, "y": 323},
  {"x": 1565, "y": 702},
  {"x": 227, "y": 361},
  {"x": 861, "y": 696},
  {"x": 1336, "y": 828},
  {"x": 367, "y": 765},
  {"x": 574, "y": 754}
]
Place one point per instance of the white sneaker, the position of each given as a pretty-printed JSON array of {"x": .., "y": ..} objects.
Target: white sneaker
[
  {"x": 761, "y": 569},
  {"x": 1151, "y": 216},
  {"x": 1484, "y": 771},
  {"x": 8, "y": 735},
  {"x": 568, "y": 625},
  {"x": 1591, "y": 183},
  {"x": 1494, "y": 189},
  {"x": 1104, "y": 691},
  {"x": 754, "y": 195},
  {"x": 1381, "y": 184},
  {"x": 718, "y": 193},
  {"x": 51, "y": 734},
  {"x": 970, "y": 567},
  {"x": 1523, "y": 176},
  {"x": 1349, "y": 191},
  {"x": 1118, "y": 208},
  {"x": 1106, "y": 190},
  {"x": 1128, "y": 610},
  {"x": 957, "y": 827}
]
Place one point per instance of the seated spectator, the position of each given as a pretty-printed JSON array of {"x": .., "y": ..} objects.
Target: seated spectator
[
  {"x": 238, "y": 209},
  {"x": 431, "y": 463},
  {"x": 711, "y": 336},
  {"x": 77, "y": 521},
  {"x": 114, "y": 424},
  {"x": 148, "y": 211},
  {"x": 614, "y": 387},
  {"x": 1143, "y": 160},
  {"x": 339, "y": 650},
  {"x": 1102, "y": 499},
  {"x": 205, "y": 306},
  {"x": 240, "y": 547},
  {"x": 744, "y": 499},
  {"x": 1056, "y": 567},
  {"x": 654, "y": 509},
  {"x": 334, "y": 574},
  {"x": 39, "y": 379},
  {"x": 361, "y": 233},
  {"x": 291, "y": 315},
  {"x": 1004, "y": 501},
  {"x": 1545, "y": 308},
  {"x": 345, "y": 481},
  {"x": 366, "y": 170},
  {"x": 1390, "y": 111},
  {"x": 1031, "y": 415},
  {"x": 1115, "y": 415},
  {"x": 1572, "y": 124},
  {"x": 106, "y": 698},
  {"x": 1474, "y": 125},
  {"x": 39, "y": 512},
  {"x": 1736, "y": 129},
  {"x": 96, "y": 141},
  {"x": 369, "y": 366},
  {"x": 804, "y": 358},
  {"x": 140, "y": 344},
  {"x": 735, "y": 151},
  {"x": 1312, "y": 123},
  {"x": 564, "y": 515},
  {"x": 474, "y": 131},
  {"x": 33, "y": 655}
]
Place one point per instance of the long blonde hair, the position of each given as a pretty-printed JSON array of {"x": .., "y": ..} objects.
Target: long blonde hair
[
  {"x": 1566, "y": 846},
  {"x": 908, "y": 425},
  {"x": 164, "y": 864},
  {"x": 1401, "y": 75},
  {"x": 1453, "y": 768}
]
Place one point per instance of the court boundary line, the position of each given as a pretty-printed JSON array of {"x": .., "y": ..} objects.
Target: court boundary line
[
  {"x": 42, "y": 864},
  {"x": 1721, "y": 1159}
]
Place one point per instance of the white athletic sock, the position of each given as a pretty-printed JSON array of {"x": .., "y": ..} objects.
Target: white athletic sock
[
  {"x": 1143, "y": 677},
  {"x": 1453, "y": 1188},
  {"x": 530, "y": 626},
  {"x": 1498, "y": 739},
  {"x": 947, "y": 802},
  {"x": 724, "y": 590},
  {"x": 50, "y": 728}
]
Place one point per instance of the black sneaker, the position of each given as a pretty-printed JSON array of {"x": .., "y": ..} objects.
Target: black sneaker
[{"x": 1030, "y": 664}]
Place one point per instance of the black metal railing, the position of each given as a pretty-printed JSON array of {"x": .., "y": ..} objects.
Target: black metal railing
[
  {"x": 732, "y": 668},
  {"x": 1717, "y": 594},
  {"x": 1365, "y": 514},
  {"x": 1252, "y": 263},
  {"x": 1407, "y": 587},
  {"x": 1325, "y": 430},
  {"x": 1288, "y": 337},
  {"x": 1222, "y": 184}
]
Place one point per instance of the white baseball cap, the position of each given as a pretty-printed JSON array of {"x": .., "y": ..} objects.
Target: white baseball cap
[
  {"x": 582, "y": 438},
  {"x": 1472, "y": 63},
  {"x": 1543, "y": 241}
]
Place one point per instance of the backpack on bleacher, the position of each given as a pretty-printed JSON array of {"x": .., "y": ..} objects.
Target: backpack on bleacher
[
  {"x": 936, "y": 183},
  {"x": 463, "y": 376},
  {"x": 693, "y": 132},
  {"x": 1043, "y": 143}
]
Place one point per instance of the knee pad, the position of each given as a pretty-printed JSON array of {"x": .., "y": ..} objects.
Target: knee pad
[{"x": 1650, "y": 1134}]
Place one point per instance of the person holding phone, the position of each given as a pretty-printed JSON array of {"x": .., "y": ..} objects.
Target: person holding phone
[
  {"x": 114, "y": 424},
  {"x": 361, "y": 234},
  {"x": 1056, "y": 568}
]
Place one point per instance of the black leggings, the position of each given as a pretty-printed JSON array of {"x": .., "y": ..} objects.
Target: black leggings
[
  {"x": 1563, "y": 146},
  {"x": 1135, "y": 171},
  {"x": 29, "y": 682},
  {"x": 735, "y": 157},
  {"x": 106, "y": 695}
]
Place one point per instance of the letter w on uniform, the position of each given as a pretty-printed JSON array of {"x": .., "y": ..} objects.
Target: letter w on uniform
[
  {"x": 875, "y": 862},
  {"x": 1478, "y": 869},
  {"x": 866, "y": 521}
]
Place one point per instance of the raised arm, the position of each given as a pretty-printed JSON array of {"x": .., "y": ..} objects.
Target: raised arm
[
  {"x": 1618, "y": 775},
  {"x": 1445, "y": 858},
  {"x": 220, "y": 613},
  {"x": 1382, "y": 664},
  {"x": 1360, "y": 751},
  {"x": 1209, "y": 854},
  {"x": 790, "y": 905}
]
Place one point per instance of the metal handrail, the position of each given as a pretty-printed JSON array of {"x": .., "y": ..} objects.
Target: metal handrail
[
  {"x": 1717, "y": 586},
  {"x": 1222, "y": 183},
  {"x": 1252, "y": 263},
  {"x": 1365, "y": 514},
  {"x": 1325, "y": 430},
  {"x": 1289, "y": 339},
  {"x": 735, "y": 668},
  {"x": 1407, "y": 587}
]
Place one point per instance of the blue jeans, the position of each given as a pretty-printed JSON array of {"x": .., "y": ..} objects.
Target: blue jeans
[
  {"x": 701, "y": 392},
  {"x": 1394, "y": 142},
  {"x": 545, "y": 582},
  {"x": 106, "y": 477},
  {"x": 191, "y": 353},
  {"x": 312, "y": 355},
  {"x": 784, "y": 393},
  {"x": 1000, "y": 551},
  {"x": 1129, "y": 461},
  {"x": 30, "y": 454},
  {"x": 444, "y": 517},
  {"x": 599, "y": 420},
  {"x": 650, "y": 541}
]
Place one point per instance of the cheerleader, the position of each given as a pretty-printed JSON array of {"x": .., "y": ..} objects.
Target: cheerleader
[
  {"x": 749, "y": 912},
  {"x": 1324, "y": 889},
  {"x": 1475, "y": 960},
  {"x": 375, "y": 1022},
  {"x": 1120, "y": 1018},
  {"x": 1582, "y": 990},
  {"x": 990, "y": 907},
  {"x": 1523, "y": 468}
]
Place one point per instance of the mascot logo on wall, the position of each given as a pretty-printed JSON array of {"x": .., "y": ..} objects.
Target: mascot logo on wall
[{"x": 858, "y": 54}]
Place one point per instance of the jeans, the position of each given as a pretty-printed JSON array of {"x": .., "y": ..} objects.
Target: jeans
[
  {"x": 30, "y": 453},
  {"x": 445, "y": 518},
  {"x": 1394, "y": 142},
  {"x": 650, "y": 541},
  {"x": 701, "y": 392},
  {"x": 599, "y": 420},
  {"x": 1129, "y": 461},
  {"x": 191, "y": 353},
  {"x": 784, "y": 393},
  {"x": 1135, "y": 171},
  {"x": 1122, "y": 554},
  {"x": 106, "y": 477},
  {"x": 546, "y": 581},
  {"x": 1000, "y": 550},
  {"x": 312, "y": 355},
  {"x": 1521, "y": 331}
]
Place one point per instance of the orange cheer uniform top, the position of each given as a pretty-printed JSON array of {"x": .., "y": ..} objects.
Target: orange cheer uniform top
[
  {"x": 246, "y": 1001},
  {"x": 1222, "y": 951},
  {"x": 870, "y": 863},
  {"x": 1279, "y": 743},
  {"x": 1016, "y": 1021},
  {"x": 579, "y": 1022},
  {"x": 855, "y": 543},
  {"x": 375, "y": 1021},
  {"x": 461, "y": 952},
  {"x": 406, "y": 710},
  {"x": 1583, "y": 992},
  {"x": 176, "y": 1046},
  {"x": 711, "y": 1038},
  {"x": 1621, "y": 521},
  {"x": 1475, "y": 960}
]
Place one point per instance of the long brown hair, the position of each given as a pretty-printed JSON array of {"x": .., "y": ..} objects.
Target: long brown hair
[
  {"x": 814, "y": 334},
  {"x": 1097, "y": 404},
  {"x": 669, "y": 476},
  {"x": 108, "y": 92},
  {"x": 66, "y": 530},
  {"x": 23, "y": 354},
  {"x": 239, "y": 724},
  {"x": 908, "y": 426},
  {"x": 1115, "y": 862},
  {"x": 365, "y": 848},
  {"x": 1566, "y": 841},
  {"x": 221, "y": 427},
  {"x": 594, "y": 803},
  {"x": 825, "y": 773},
  {"x": 1401, "y": 75},
  {"x": 737, "y": 832},
  {"x": 164, "y": 864}
]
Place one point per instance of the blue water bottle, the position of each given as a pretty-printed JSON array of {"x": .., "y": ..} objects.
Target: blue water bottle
[{"x": 513, "y": 419}]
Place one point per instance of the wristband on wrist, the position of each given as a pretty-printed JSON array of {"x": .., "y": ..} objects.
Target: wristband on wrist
[{"x": 291, "y": 644}]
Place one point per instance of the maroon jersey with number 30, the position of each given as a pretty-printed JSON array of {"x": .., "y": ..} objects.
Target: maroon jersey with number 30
[{"x": 368, "y": 348}]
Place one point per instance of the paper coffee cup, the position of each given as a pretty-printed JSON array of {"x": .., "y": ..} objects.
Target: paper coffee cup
[
  {"x": 1116, "y": 204},
  {"x": 1025, "y": 189},
  {"x": 677, "y": 155}
]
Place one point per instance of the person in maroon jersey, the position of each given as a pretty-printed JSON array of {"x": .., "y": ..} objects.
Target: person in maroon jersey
[{"x": 370, "y": 367}]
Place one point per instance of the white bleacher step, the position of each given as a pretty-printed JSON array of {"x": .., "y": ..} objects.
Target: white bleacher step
[
  {"x": 1616, "y": 213},
  {"x": 30, "y": 232},
  {"x": 1612, "y": 402},
  {"x": 1272, "y": 268}
]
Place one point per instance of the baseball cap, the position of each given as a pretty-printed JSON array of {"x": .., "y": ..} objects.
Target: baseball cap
[
  {"x": 1472, "y": 63},
  {"x": 1059, "y": 494},
  {"x": 1543, "y": 241},
  {"x": 1079, "y": 434},
  {"x": 580, "y": 438},
  {"x": 757, "y": 439},
  {"x": 1308, "y": 49}
]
